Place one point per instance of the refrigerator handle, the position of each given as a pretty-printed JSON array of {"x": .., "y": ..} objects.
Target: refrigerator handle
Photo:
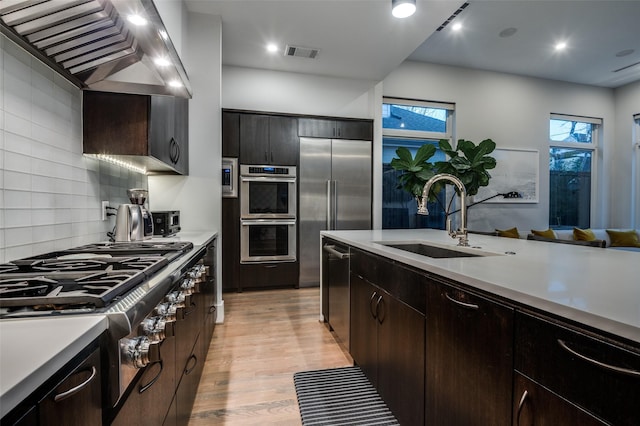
[
  {"x": 335, "y": 204},
  {"x": 328, "y": 205}
]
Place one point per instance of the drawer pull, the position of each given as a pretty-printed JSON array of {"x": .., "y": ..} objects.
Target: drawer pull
[
  {"x": 520, "y": 405},
  {"x": 64, "y": 395},
  {"x": 380, "y": 313},
  {"x": 463, "y": 304},
  {"x": 331, "y": 249},
  {"x": 143, "y": 388},
  {"x": 621, "y": 370}
]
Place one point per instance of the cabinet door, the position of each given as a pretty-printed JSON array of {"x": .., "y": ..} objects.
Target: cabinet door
[
  {"x": 115, "y": 123},
  {"x": 469, "y": 361},
  {"x": 77, "y": 400},
  {"x": 181, "y": 136},
  {"x": 152, "y": 392},
  {"x": 316, "y": 128},
  {"x": 401, "y": 359},
  {"x": 354, "y": 129},
  {"x": 283, "y": 141},
  {"x": 363, "y": 326},
  {"x": 161, "y": 129},
  {"x": 592, "y": 373},
  {"x": 535, "y": 405},
  {"x": 254, "y": 139},
  {"x": 230, "y": 134},
  {"x": 231, "y": 244},
  {"x": 188, "y": 387}
]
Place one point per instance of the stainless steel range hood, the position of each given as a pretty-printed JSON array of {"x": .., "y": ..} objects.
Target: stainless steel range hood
[{"x": 94, "y": 44}]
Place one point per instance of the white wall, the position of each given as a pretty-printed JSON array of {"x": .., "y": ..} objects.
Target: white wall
[
  {"x": 514, "y": 112},
  {"x": 198, "y": 195},
  {"x": 625, "y": 189}
]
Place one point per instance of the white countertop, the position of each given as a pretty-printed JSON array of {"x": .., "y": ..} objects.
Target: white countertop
[
  {"x": 198, "y": 238},
  {"x": 593, "y": 286},
  {"x": 31, "y": 350}
]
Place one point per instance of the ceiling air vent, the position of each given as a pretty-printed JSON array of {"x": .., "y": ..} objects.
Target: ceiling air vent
[{"x": 301, "y": 52}]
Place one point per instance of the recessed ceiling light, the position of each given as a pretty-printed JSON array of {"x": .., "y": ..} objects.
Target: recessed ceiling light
[
  {"x": 137, "y": 20},
  {"x": 561, "y": 45},
  {"x": 271, "y": 47},
  {"x": 403, "y": 8},
  {"x": 508, "y": 32},
  {"x": 162, "y": 62},
  {"x": 175, "y": 83},
  {"x": 457, "y": 26},
  {"x": 625, "y": 52}
]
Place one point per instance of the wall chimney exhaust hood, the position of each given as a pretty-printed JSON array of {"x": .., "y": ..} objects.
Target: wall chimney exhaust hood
[{"x": 99, "y": 44}]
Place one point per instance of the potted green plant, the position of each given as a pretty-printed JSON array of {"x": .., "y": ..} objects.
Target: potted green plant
[
  {"x": 415, "y": 170},
  {"x": 468, "y": 162}
]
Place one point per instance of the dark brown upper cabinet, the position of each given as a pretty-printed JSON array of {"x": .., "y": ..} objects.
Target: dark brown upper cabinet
[
  {"x": 268, "y": 140},
  {"x": 336, "y": 129},
  {"x": 148, "y": 131}
]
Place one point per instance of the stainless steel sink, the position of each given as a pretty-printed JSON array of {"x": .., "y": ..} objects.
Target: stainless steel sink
[{"x": 436, "y": 251}]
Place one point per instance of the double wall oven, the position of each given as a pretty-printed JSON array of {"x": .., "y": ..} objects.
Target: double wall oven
[{"x": 268, "y": 209}]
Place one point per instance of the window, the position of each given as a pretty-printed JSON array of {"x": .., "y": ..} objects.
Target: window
[
  {"x": 410, "y": 124},
  {"x": 572, "y": 156}
]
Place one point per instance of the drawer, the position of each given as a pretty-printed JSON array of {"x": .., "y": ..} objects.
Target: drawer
[
  {"x": 402, "y": 283},
  {"x": 596, "y": 375}
]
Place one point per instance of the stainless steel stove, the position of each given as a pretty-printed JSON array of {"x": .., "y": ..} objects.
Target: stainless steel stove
[{"x": 127, "y": 282}]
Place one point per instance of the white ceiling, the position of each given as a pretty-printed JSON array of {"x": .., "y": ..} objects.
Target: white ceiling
[{"x": 360, "y": 38}]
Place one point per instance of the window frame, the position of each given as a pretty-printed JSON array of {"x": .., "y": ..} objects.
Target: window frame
[{"x": 593, "y": 146}]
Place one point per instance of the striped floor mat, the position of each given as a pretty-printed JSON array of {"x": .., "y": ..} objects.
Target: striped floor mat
[{"x": 340, "y": 396}]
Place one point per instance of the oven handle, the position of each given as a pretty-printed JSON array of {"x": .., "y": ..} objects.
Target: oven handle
[
  {"x": 267, "y": 179},
  {"x": 267, "y": 222}
]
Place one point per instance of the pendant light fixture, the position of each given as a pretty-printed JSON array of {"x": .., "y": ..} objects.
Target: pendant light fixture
[{"x": 403, "y": 8}]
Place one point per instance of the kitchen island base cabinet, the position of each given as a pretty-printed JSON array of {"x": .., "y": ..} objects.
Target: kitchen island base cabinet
[
  {"x": 535, "y": 405},
  {"x": 585, "y": 369},
  {"x": 469, "y": 358},
  {"x": 387, "y": 343}
]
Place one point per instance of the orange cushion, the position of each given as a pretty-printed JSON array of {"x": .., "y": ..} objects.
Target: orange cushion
[
  {"x": 509, "y": 233},
  {"x": 583, "y": 234},
  {"x": 623, "y": 238},
  {"x": 546, "y": 234}
]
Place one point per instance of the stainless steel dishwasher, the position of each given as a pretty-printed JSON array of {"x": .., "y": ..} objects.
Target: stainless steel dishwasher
[{"x": 336, "y": 280}]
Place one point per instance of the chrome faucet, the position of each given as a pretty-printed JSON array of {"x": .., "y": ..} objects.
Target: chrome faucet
[{"x": 461, "y": 233}]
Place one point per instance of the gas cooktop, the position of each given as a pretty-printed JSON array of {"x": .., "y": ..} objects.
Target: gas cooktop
[{"x": 82, "y": 278}]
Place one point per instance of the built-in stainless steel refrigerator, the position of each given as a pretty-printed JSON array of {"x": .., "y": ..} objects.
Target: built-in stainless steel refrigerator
[{"x": 335, "y": 193}]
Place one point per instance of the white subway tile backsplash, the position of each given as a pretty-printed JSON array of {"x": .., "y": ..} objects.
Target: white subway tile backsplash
[
  {"x": 17, "y": 125},
  {"x": 50, "y": 194},
  {"x": 17, "y": 199},
  {"x": 17, "y": 236},
  {"x": 17, "y": 181},
  {"x": 17, "y": 162}
]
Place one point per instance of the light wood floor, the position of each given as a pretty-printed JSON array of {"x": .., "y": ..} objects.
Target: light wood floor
[{"x": 267, "y": 336}]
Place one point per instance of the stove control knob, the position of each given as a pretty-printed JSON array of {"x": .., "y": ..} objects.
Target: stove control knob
[
  {"x": 167, "y": 310},
  {"x": 140, "y": 351},
  {"x": 154, "y": 328},
  {"x": 188, "y": 286}
]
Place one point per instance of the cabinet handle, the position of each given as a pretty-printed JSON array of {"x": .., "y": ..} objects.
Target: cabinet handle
[
  {"x": 520, "y": 405},
  {"x": 380, "y": 312},
  {"x": 463, "y": 304},
  {"x": 332, "y": 250},
  {"x": 143, "y": 388},
  {"x": 195, "y": 362},
  {"x": 174, "y": 151},
  {"x": 373, "y": 296},
  {"x": 64, "y": 395},
  {"x": 266, "y": 156},
  {"x": 621, "y": 370}
]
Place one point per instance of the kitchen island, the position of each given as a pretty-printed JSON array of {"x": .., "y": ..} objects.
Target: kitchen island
[{"x": 520, "y": 325}]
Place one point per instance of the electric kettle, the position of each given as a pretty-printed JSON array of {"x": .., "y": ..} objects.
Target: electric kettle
[{"x": 129, "y": 223}]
